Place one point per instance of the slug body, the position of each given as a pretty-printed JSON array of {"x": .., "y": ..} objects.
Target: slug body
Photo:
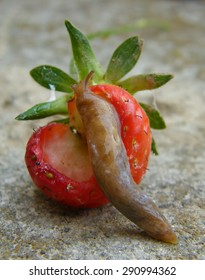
[{"x": 111, "y": 166}]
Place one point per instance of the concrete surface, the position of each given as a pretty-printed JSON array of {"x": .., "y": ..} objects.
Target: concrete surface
[{"x": 33, "y": 33}]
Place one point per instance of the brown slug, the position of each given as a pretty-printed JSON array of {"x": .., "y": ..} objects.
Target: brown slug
[{"x": 111, "y": 166}]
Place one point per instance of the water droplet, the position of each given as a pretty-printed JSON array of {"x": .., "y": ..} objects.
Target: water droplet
[{"x": 52, "y": 93}]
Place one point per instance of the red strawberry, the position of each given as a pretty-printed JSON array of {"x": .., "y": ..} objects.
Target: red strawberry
[
  {"x": 56, "y": 154},
  {"x": 57, "y": 157},
  {"x": 135, "y": 127},
  {"x": 58, "y": 162}
]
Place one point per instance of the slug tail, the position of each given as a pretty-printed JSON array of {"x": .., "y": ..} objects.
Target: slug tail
[
  {"x": 167, "y": 235},
  {"x": 170, "y": 237}
]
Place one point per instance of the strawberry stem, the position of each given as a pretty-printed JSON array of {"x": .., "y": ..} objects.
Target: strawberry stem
[{"x": 131, "y": 27}]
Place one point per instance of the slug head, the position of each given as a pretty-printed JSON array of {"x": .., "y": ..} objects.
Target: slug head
[{"x": 83, "y": 86}]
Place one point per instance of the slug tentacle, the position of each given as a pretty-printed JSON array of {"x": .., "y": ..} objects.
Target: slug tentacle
[{"x": 111, "y": 166}]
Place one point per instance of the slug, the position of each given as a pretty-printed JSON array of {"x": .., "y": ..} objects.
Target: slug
[{"x": 111, "y": 166}]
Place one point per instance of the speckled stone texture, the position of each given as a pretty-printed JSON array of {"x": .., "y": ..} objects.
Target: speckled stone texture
[{"x": 33, "y": 33}]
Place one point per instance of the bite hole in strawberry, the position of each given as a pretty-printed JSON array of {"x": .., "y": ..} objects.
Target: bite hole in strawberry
[{"x": 66, "y": 152}]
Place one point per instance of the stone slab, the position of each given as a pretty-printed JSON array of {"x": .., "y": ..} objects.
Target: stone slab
[{"x": 33, "y": 33}]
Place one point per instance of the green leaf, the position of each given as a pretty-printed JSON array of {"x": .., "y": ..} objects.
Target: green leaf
[
  {"x": 46, "y": 109},
  {"x": 131, "y": 27},
  {"x": 48, "y": 76},
  {"x": 83, "y": 54},
  {"x": 156, "y": 120},
  {"x": 124, "y": 59},
  {"x": 154, "y": 147},
  {"x": 73, "y": 69},
  {"x": 144, "y": 82}
]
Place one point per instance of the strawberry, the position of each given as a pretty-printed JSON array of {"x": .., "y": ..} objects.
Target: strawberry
[
  {"x": 56, "y": 154},
  {"x": 135, "y": 127},
  {"x": 65, "y": 176}
]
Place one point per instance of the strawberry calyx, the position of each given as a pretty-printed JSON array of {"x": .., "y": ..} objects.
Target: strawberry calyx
[{"x": 82, "y": 63}]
